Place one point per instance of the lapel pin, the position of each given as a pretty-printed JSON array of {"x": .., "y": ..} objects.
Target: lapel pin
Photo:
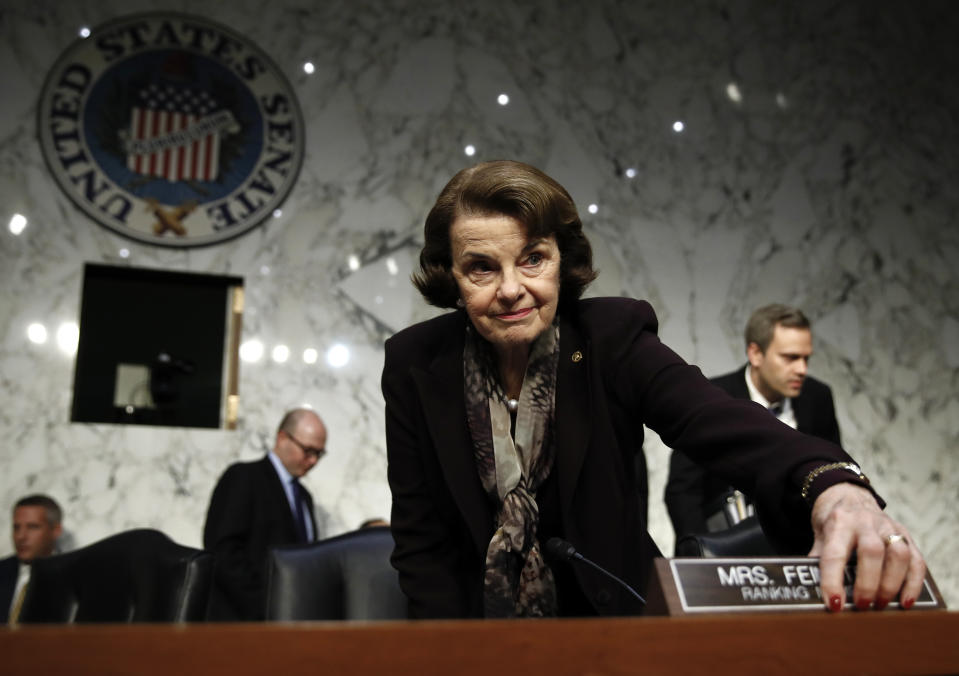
[{"x": 577, "y": 357}]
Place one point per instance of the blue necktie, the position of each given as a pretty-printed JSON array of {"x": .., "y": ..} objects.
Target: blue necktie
[{"x": 298, "y": 513}]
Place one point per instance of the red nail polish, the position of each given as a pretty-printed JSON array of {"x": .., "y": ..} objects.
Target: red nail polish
[
  {"x": 881, "y": 603},
  {"x": 863, "y": 604},
  {"x": 835, "y": 603},
  {"x": 907, "y": 604}
]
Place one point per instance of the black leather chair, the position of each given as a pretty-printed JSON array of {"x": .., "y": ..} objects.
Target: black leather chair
[
  {"x": 347, "y": 577},
  {"x": 136, "y": 576},
  {"x": 746, "y": 538}
]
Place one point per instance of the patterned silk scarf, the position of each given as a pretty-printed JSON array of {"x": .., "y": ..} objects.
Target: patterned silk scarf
[{"x": 518, "y": 583}]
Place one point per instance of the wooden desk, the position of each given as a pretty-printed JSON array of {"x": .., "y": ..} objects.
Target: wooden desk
[{"x": 891, "y": 642}]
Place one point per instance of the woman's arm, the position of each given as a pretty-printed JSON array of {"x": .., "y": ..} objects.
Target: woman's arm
[{"x": 771, "y": 462}]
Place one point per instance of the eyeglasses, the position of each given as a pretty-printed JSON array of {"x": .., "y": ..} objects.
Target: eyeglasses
[{"x": 308, "y": 450}]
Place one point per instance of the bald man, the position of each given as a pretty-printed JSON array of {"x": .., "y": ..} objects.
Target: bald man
[{"x": 258, "y": 505}]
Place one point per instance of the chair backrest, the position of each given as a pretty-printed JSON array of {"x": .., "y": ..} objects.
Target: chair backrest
[
  {"x": 347, "y": 577},
  {"x": 136, "y": 576},
  {"x": 746, "y": 538}
]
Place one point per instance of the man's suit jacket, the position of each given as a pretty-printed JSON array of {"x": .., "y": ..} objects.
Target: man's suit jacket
[
  {"x": 692, "y": 493},
  {"x": 248, "y": 514},
  {"x": 9, "y": 571},
  {"x": 613, "y": 375}
]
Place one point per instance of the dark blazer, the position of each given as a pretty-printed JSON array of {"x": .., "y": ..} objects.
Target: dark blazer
[
  {"x": 613, "y": 375},
  {"x": 248, "y": 514},
  {"x": 692, "y": 493},
  {"x": 9, "y": 570}
]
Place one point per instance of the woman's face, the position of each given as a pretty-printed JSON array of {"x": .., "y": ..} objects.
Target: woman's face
[{"x": 509, "y": 284}]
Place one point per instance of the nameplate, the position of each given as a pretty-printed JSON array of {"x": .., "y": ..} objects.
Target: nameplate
[{"x": 755, "y": 584}]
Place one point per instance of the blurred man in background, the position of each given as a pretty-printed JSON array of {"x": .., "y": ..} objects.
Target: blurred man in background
[
  {"x": 37, "y": 523},
  {"x": 778, "y": 349}
]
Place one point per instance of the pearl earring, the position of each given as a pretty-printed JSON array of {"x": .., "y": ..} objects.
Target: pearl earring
[{"x": 460, "y": 303}]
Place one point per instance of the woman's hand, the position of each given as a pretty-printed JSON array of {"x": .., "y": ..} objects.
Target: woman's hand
[{"x": 846, "y": 518}]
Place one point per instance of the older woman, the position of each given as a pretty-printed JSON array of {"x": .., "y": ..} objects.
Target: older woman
[{"x": 516, "y": 419}]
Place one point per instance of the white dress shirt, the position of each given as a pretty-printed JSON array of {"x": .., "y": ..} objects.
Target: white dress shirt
[{"x": 788, "y": 414}]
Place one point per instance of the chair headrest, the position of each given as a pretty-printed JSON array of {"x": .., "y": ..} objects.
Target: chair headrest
[{"x": 746, "y": 538}]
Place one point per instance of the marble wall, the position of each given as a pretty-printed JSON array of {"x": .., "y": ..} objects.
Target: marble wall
[{"x": 816, "y": 165}]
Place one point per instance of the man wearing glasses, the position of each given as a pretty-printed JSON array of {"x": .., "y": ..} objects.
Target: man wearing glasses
[{"x": 258, "y": 505}]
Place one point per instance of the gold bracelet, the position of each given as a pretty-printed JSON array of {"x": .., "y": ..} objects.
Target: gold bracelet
[{"x": 845, "y": 466}]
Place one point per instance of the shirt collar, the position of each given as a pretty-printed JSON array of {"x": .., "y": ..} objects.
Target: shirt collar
[
  {"x": 281, "y": 471},
  {"x": 756, "y": 395},
  {"x": 23, "y": 572}
]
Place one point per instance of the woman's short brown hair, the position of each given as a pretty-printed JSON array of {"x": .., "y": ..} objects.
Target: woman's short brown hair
[{"x": 511, "y": 189}]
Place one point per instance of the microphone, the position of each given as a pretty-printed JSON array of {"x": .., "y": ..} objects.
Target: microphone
[{"x": 564, "y": 551}]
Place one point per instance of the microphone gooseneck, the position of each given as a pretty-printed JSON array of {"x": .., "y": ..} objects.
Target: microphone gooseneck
[{"x": 564, "y": 551}]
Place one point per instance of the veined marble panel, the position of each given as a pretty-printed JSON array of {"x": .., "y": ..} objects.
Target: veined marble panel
[{"x": 815, "y": 165}]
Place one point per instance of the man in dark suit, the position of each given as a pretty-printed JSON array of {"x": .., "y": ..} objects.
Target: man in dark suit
[
  {"x": 258, "y": 505},
  {"x": 778, "y": 347},
  {"x": 36, "y": 527}
]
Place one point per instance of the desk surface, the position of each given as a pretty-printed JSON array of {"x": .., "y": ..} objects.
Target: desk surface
[{"x": 890, "y": 642}]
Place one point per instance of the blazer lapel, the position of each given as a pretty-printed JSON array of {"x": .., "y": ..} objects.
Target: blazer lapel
[
  {"x": 311, "y": 513},
  {"x": 572, "y": 415},
  {"x": 738, "y": 387},
  {"x": 441, "y": 393},
  {"x": 803, "y": 413}
]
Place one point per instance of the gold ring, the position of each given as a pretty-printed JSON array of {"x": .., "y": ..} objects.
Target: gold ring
[{"x": 893, "y": 538}]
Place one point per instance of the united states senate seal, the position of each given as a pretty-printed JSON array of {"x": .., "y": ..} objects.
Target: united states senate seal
[{"x": 171, "y": 129}]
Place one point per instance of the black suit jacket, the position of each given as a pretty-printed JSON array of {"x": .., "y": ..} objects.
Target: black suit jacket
[
  {"x": 248, "y": 514},
  {"x": 9, "y": 570},
  {"x": 613, "y": 375},
  {"x": 692, "y": 493}
]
